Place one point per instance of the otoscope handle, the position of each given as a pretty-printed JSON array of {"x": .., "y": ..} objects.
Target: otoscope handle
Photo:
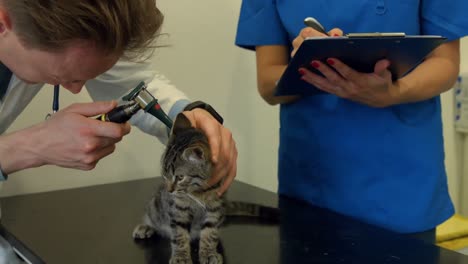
[
  {"x": 120, "y": 114},
  {"x": 155, "y": 109}
]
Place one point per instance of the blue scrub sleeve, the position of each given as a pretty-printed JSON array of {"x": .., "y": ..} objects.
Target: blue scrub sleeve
[
  {"x": 447, "y": 18},
  {"x": 260, "y": 24}
]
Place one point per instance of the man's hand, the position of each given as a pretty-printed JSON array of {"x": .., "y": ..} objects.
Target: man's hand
[
  {"x": 71, "y": 138},
  {"x": 222, "y": 145}
]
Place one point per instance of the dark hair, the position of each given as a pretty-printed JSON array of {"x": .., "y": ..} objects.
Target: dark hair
[{"x": 123, "y": 27}]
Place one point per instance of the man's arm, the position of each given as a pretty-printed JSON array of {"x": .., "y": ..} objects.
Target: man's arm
[{"x": 124, "y": 76}]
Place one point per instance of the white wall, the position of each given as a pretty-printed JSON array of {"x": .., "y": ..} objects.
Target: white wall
[
  {"x": 459, "y": 182},
  {"x": 455, "y": 142},
  {"x": 204, "y": 63}
]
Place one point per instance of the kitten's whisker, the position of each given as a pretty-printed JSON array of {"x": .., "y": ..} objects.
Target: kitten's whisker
[
  {"x": 180, "y": 193},
  {"x": 196, "y": 200}
]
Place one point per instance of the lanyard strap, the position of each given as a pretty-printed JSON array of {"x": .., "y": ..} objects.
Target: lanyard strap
[{"x": 5, "y": 77}]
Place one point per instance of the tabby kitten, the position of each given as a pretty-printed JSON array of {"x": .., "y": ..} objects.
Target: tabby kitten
[{"x": 183, "y": 208}]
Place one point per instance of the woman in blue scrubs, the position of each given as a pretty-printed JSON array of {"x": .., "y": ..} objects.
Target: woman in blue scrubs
[{"x": 369, "y": 148}]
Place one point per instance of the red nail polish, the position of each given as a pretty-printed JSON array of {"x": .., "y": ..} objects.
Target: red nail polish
[
  {"x": 301, "y": 71},
  {"x": 315, "y": 64},
  {"x": 336, "y": 35},
  {"x": 330, "y": 61}
]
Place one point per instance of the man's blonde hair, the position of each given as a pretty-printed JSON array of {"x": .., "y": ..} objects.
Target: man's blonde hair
[{"x": 114, "y": 26}]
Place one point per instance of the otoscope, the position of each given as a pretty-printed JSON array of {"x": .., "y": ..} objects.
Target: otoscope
[{"x": 138, "y": 98}]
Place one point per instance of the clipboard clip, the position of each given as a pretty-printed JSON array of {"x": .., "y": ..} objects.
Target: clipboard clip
[
  {"x": 376, "y": 35},
  {"x": 313, "y": 23}
]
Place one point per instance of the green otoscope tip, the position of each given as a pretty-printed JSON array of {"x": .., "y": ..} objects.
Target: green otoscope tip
[{"x": 134, "y": 92}]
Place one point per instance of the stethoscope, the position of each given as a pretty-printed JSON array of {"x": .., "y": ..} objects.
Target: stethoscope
[{"x": 55, "y": 102}]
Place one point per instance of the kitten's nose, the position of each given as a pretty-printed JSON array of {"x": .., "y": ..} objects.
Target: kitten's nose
[{"x": 171, "y": 188}]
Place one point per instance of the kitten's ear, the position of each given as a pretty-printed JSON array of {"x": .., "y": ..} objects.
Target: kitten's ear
[
  {"x": 181, "y": 123},
  {"x": 194, "y": 154}
]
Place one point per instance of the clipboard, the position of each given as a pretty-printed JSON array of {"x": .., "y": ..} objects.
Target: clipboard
[{"x": 360, "y": 51}]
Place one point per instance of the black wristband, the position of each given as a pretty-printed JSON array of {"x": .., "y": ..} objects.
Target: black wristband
[{"x": 207, "y": 107}]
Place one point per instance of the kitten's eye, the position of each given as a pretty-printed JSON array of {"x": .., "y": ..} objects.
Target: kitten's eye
[{"x": 179, "y": 177}]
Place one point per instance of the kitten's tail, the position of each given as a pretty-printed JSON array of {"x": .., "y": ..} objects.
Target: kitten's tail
[{"x": 243, "y": 211}]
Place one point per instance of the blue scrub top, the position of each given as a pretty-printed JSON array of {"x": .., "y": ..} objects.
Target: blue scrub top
[{"x": 384, "y": 166}]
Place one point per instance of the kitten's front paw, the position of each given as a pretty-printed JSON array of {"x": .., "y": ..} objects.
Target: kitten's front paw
[
  {"x": 180, "y": 260},
  {"x": 142, "y": 232},
  {"x": 215, "y": 258}
]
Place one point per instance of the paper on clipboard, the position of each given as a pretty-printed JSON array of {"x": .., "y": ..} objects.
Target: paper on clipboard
[{"x": 360, "y": 52}]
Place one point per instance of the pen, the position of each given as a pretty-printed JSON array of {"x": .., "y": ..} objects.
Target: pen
[
  {"x": 313, "y": 23},
  {"x": 55, "y": 103}
]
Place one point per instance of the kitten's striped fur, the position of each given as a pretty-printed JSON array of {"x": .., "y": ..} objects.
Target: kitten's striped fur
[{"x": 184, "y": 208}]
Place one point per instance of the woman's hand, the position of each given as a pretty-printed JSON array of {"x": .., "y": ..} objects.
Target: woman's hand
[
  {"x": 310, "y": 32},
  {"x": 373, "y": 89}
]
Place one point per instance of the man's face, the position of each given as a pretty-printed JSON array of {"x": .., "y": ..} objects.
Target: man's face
[{"x": 71, "y": 67}]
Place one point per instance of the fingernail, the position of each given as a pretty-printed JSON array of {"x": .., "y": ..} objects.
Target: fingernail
[
  {"x": 315, "y": 64},
  {"x": 336, "y": 35},
  {"x": 330, "y": 61},
  {"x": 301, "y": 71}
]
